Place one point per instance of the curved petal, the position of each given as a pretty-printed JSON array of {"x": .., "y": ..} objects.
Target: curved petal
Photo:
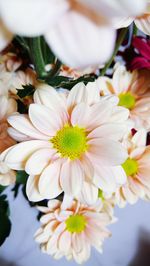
[
  {"x": 143, "y": 24},
  {"x": 78, "y": 94},
  {"x": 89, "y": 193},
  {"x": 84, "y": 44},
  {"x": 18, "y": 154},
  {"x": 44, "y": 119},
  {"x": 31, "y": 18},
  {"x": 106, "y": 152},
  {"x": 49, "y": 186},
  {"x": 71, "y": 177},
  {"x": 32, "y": 191},
  {"x": 38, "y": 161}
]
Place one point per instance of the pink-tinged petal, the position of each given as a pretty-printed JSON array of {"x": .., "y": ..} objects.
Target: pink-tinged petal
[
  {"x": 71, "y": 177},
  {"x": 137, "y": 153},
  {"x": 22, "y": 124},
  {"x": 78, "y": 94},
  {"x": 5, "y": 36},
  {"x": 49, "y": 186},
  {"x": 49, "y": 97},
  {"x": 15, "y": 134},
  {"x": 67, "y": 202},
  {"x": 114, "y": 131},
  {"x": 38, "y": 161},
  {"x": 3, "y": 106},
  {"x": 44, "y": 119},
  {"x": 140, "y": 138},
  {"x": 93, "y": 95},
  {"x": 80, "y": 115},
  {"x": 77, "y": 54},
  {"x": 119, "y": 114},
  {"x": 64, "y": 242},
  {"x": 32, "y": 191},
  {"x": 104, "y": 179},
  {"x": 119, "y": 175},
  {"x": 22, "y": 17},
  {"x": 136, "y": 187},
  {"x": 87, "y": 167},
  {"x": 89, "y": 193},
  {"x": 53, "y": 204},
  {"x": 106, "y": 152},
  {"x": 129, "y": 195},
  {"x": 17, "y": 156},
  {"x": 144, "y": 175}
]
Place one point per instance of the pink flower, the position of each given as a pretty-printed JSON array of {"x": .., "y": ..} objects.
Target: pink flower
[
  {"x": 132, "y": 88},
  {"x": 142, "y": 59},
  {"x": 71, "y": 231},
  {"x": 67, "y": 141},
  {"x": 137, "y": 169}
]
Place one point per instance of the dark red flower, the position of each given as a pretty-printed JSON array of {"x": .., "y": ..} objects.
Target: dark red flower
[{"x": 142, "y": 53}]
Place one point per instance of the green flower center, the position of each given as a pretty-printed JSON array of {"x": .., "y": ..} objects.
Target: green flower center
[
  {"x": 70, "y": 142},
  {"x": 127, "y": 100},
  {"x": 100, "y": 194},
  {"x": 130, "y": 167},
  {"x": 76, "y": 223}
]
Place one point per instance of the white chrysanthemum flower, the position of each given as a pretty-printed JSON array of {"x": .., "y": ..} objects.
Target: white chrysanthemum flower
[
  {"x": 68, "y": 141},
  {"x": 7, "y": 107},
  {"x": 142, "y": 22},
  {"x": 64, "y": 24},
  {"x": 137, "y": 169},
  {"x": 132, "y": 88},
  {"x": 71, "y": 231}
]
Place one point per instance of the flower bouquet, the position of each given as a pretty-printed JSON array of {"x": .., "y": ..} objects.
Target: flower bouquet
[{"x": 74, "y": 116}]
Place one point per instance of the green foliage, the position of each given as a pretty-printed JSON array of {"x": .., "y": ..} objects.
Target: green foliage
[
  {"x": 27, "y": 91},
  {"x": 5, "y": 224}
]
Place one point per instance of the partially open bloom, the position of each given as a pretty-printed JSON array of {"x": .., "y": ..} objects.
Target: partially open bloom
[
  {"x": 7, "y": 106},
  {"x": 132, "y": 88},
  {"x": 72, "y": 16},
  {"x": 67, "y": 140},
  {"x": 142, "y": 22},
  {"x": 137, "y": 169},
  {"x": 71, "y": 231}
]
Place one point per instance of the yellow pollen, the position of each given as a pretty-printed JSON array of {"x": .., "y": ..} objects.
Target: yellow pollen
[
  {"x": 70, "y": 142},
  {"x": 76, "y": 223},
  {"x": 127, "y": 100}
]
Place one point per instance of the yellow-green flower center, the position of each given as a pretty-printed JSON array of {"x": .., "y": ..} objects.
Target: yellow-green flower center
[
  {"x": 76, "y": 223},
  {"x": 130, "y": 167},
  {"x": 127, "y": 100},
  {"x": 100, "y": 194},
  {"x": 70, "y": 142}
]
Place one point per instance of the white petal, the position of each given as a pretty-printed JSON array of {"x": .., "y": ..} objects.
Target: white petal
[
  {"x": 44, "y": 119},
  {"x": 32, "y": 191},
  {"x": 78, "y": 94},
  {"x": 106, "y": 152},
  {"x": 23, "y": 125},
  {"x": 89, "y": 193},
  {"x": 71, "y": 177},
  {"x": 31, "y": 17},
  {"x": 65, "y": 242},
  {"x": 49, "y": 186},
  {"x": 38, "y": 161},
  {"x": 95, "y": 48},
  {"x": 144, "y": 24},
  {"x": 17, "y": 155}
]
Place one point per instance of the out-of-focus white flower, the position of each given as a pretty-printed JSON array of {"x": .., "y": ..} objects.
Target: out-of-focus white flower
[
  {"x": 142, "y": 22},
  {"x": 72, "y": 138},
  {"x": 79, "y": 33},
  {"x": 133, "y": 90},
  {"x": 7, "y": 107},
  {"x": 71, "y": 231},
  {"x": 137, "y": 169}
]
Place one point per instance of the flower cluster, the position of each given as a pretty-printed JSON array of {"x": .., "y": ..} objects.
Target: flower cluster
[{"x": 78, "y": 137}]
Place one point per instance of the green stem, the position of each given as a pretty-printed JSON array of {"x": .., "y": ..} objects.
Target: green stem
[
  {"x": 120, "y": 40},
  {"x": 37, "y": 57}
]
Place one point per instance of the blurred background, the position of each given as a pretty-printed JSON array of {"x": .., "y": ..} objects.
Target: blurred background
[{"x": 128, "y": 246}]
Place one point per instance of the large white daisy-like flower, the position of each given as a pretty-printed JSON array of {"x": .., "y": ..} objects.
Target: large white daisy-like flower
[
  {"x": 142, "y": 22},
  {"x": 69, "y": 140},
  {"x": 71, "y": 231},
  {"x": 64, "y": 24},
  {"x": 137, "y": 169},
  {"x": 132, "y": 88},
  {"x": 7, "y": 106}
]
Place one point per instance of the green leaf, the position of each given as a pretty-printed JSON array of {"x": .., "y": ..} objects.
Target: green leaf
[
  {"x": 21, "y": 177},
  {"x": 5, "y": 224},
  {"x": 28, "y": 91},
  {"x": 2, "y": 188}
]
